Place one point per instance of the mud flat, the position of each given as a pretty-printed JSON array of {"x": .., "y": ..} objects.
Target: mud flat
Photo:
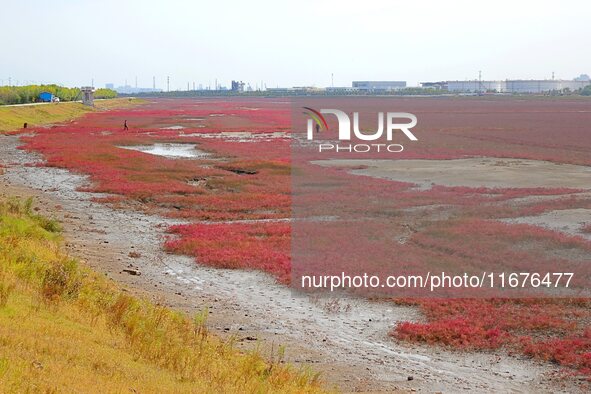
[
  {"x": 239, "y": 136},
  {"x": 170, "y": 150},
  {"x": 352, "y": 348},
  {"x": 569, "y": 221},
  {"x": 474, "y": 172},
  {"x": 490, "y": 172}
]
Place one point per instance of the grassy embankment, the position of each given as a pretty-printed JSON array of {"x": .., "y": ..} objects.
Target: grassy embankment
[
  {"x": 13, "y": 117},
  {"x": 66, "y": 328}
]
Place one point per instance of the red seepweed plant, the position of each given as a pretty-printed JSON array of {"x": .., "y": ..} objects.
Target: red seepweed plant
[{"x": 239, "y": 201}]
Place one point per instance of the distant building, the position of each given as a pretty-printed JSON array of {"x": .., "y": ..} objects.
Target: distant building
[
  {"x": 441, "y": 85},
  {"x": 110, "y": 86},
  {"x": 127, "y": 89},
  {"x": 341, "y": 90},
  {"x": 297, "y": 90},
  {"x": 476, "y": 86},
  {"x": 379, "y": 85},
  {"x": 516, "y": 85},
  {"x": 545, "y": 85},
  {"x": 237, "y": 86}
]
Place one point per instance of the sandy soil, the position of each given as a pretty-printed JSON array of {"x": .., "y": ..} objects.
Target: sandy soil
[
  {"x": 569, "y": 221},
  {"x": 352, "y": 349},
  {"x": 473, "y": 172}
]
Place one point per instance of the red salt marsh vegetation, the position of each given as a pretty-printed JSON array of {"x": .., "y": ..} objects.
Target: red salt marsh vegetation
[{"x": 239, "y": 195}]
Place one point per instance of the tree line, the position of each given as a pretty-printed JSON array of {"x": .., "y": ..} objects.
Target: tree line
[{"x": 30, "y": 93}]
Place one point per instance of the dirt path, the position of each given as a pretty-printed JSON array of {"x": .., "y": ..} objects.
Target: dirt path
[{"x": 351, "y": 348}]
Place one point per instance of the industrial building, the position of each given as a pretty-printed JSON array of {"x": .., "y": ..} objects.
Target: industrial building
[
  {"x": 336, "y": 90},
  {"x": 379, "y": 85},
  {"x": 476, "y": 86},
  {"x": 514, "y": 85},
  {"x": 441, "y": 85},
  {"x": 237, "y": 86},
  {"x": 296, "y": 90},
  {"x": 541, "y": 86},
  {"x": 127, "y": 89}
]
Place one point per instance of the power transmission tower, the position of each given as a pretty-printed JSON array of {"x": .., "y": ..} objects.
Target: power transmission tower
[{"x": 168, "y": 84}]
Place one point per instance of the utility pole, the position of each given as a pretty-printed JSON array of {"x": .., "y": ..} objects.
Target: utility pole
[
  {"x": 553, "y": 75},
  {"x": 188, "y": 86},
  {"x": 332, "y": 80},
  {"x": 168, "y": 83},
  {"x": 92, "y": 83},
  {"x": 193, "y": 85},
  {"x": 154, "y": 83}
]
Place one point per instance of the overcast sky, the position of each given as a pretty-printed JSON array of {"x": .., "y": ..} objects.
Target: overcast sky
[{"x": 291, "y": 43}]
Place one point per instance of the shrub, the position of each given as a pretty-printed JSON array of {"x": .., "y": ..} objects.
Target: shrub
[{"x": 61, "y": 279}]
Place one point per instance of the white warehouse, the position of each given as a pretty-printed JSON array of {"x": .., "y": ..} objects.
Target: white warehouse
[
  {"x": 379, "y": 85},
  {"x": 476, "y": 86},
  {"x": 516, "y": 85},
  {"x": 543, "y": 85}
]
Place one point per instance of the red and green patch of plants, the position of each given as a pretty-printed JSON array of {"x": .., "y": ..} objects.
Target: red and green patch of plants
[
  {"x": 250, "y": 181},
  {"x": 549, "y": 329},
  {"x": 260, "y": 246}
]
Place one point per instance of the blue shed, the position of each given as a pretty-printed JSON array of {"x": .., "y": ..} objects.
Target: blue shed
[{"x": 46, "y": 97}]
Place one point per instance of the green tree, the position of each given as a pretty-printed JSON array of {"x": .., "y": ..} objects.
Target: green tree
[{"x": 30, "y": 93}]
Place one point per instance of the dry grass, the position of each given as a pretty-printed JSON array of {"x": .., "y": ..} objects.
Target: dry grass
[
  {"x": 64, "y": 328},
  {"x": 13, "y": 117},
  {"x": 118, "y": 103}
]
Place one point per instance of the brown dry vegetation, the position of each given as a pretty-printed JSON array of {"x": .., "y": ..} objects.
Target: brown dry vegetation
[{"x": 13, "y": 117}]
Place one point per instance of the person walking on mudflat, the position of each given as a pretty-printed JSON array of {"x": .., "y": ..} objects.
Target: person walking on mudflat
[{"x": 125, "y": 125}]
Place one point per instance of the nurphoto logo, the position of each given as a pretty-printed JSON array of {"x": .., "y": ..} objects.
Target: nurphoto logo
[{"x": 390, "y": 122}]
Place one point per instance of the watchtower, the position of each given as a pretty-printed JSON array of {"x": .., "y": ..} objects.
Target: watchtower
[{"x": 87, "y": 95}]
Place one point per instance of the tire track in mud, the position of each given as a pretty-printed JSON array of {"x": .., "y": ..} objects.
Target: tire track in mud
[{"x": 351, "y": 348}]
